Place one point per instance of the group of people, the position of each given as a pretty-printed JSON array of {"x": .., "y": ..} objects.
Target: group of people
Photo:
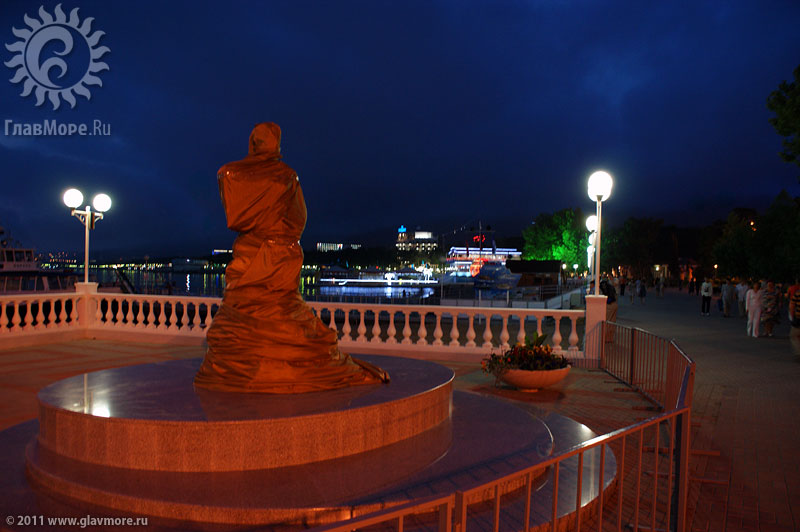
[{"x": 759, "y": 301}]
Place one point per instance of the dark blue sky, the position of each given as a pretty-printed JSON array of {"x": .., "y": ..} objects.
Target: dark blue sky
[{"x": 421, "y": 113}]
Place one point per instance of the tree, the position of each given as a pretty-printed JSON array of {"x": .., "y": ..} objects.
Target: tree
[
  {"x": 633, "y": 245},
  {"x": 558, "y": 236},
  {"x": 776, "y": 253},
  {"x": 785, "y": 103},
  {"x": 734, "y": 250}
]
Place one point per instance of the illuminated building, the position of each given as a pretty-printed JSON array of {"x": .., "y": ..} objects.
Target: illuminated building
[
  {"x": 420, "y": 241},
  {"x": 463, "y": 261}
]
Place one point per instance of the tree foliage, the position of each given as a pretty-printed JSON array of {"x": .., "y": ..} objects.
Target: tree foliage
[
  {"x": 785, "y": 103},
  {"x": 633, "y": 245},
  {"x": 733, "y": 251},
  {"x": 558, "y": 236}
]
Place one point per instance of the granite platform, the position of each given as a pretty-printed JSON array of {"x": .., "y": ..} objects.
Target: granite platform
[{"x": 479, "y": 439}]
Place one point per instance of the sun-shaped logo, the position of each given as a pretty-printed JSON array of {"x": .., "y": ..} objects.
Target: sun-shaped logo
[{"x": 44, "y": 47}]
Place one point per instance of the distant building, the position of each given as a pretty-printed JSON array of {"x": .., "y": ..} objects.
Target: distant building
[
  {"x": 417, "y": 241},
  {"x": 330, "y": 246}
]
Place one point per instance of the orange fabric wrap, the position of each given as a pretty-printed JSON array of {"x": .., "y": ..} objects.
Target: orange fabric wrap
[{"x": 264, "y": 338}]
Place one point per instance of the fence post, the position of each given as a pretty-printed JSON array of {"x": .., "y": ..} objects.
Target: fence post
[
  {"x": 681, "y": 488},
  {"x": 632, "y": 369}
]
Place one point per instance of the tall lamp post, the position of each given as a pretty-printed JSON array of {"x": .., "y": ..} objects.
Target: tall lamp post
[
  {"x": 102, "y": 203},
  {"x": 599, "y": 189},
  {"x": 591, "y": 226}
]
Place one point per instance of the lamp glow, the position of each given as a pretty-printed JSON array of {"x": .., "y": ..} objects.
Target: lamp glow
[
  {"x": 600, "y": 184},
  {"x": 101, "y": 202},
  {"x": 73, "y": 198},
  {"x": 591, "y": 223},
  {"x": 592, "y": 238}
]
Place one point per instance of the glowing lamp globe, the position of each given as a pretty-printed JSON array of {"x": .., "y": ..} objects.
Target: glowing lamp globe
[
  {"x": 73, "y": 198},
  {"x": 600, "y": 184},
  {"x": 101, "y": 202},
  {"x": 591, "y": 223},
  {"x": 592, "y": 238}
]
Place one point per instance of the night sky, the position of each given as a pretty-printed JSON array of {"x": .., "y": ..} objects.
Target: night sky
[{"x": 431, "y": 114}]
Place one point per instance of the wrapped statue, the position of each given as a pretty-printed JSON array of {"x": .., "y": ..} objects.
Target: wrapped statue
[{"x": 264, "y": 338}]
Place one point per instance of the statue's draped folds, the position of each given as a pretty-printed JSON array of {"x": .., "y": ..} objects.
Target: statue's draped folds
[{"x": 264, "y": 338}]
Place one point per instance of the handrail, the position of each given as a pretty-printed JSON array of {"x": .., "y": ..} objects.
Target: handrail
[{"x": 666, "y": 510}]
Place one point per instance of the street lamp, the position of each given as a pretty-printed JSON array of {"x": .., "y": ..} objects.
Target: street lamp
[
  {"x": 102, "y": 203},
  {"x": 599, "y": 189}
]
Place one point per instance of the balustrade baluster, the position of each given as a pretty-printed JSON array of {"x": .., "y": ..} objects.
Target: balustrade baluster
[
  {"x": 437, "y": 332},
  {"x": 346, "y": 329},
  {"x": 391, "y": 331},
  {"x": 129, "y": 314},
  {"x": 376, "y": 327},
  {"x": 184, "y": 315},
  {"x": 195, "y": 318},
  {"x": 62, "y": 315},
  {"x": 3, "y": 318},
  {"x": 487, "y": 333},
  {"x": 73, "y": 311},
  {"x": 362, "y": 327},
  {"x": 118, "y": 314},
  {"x": 539, "y": 320},
  {"x": 504, "y": 336},
  {"x": 454, "y": 331},
  {"x": 557, "y": 335},
  {"x": 40, "y": 315},
  {"x": 471, "y": 330},
  {"x": 332, "y": 322},
  {"x": 98, "y": 314},
  {"x": 423, "y": 330},
  {"x": 140, "y": 314},
  {"x": 51, "y": 315},
  {"x": 521, "y": 332},
  {"x": 162, "y": 316},
  {"x": 15, "y": 321},
  {"x": 406, "y": 328},
  {"x": 573, "y": 335},
  {"x": 151, "y": 316}
]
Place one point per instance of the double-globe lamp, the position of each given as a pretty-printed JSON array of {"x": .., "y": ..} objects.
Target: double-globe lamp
[
  {"x": 102, "y": 203},
  {"x": 591, "y": 226},
  {"x": 599, "y": 188}
]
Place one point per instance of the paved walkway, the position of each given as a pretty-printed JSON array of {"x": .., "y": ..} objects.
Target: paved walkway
[{"x": 747, "y": 402}]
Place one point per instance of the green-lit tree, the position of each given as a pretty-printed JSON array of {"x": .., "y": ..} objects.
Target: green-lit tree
[
  {"x": 558, "y": 236},
  {"x": 785, "y": 103}
]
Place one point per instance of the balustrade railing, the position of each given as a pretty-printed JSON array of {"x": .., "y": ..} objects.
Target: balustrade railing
[
  {"x": 361, "y": 327},
  {"x": 30, "y": 314}
]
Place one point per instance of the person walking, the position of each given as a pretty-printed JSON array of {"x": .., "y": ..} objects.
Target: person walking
[
  {"x": 634, "y": 290},
  {"x": 607, "y": 289},
  {"x": 643, "y": 291},
  {"x": 753, "y": 307},
  {"x": 794, "y": 317},
  {"x": 741, "y": 294},
  {"x": 728, "y": 295},
  {"x": 705, "y": 292},
  {"x": 770, "y": 306}
]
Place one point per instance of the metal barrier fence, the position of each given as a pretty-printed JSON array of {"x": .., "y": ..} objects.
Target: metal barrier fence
[
  {"x": 649, "y": 364},
  {"x": 650, "y": 488}
]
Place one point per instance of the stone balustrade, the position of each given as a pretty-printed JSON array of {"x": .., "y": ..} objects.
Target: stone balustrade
[{"x": 362, "y": 327}]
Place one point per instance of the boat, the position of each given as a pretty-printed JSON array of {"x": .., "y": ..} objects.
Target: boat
[{"x": 21, "y": 273}]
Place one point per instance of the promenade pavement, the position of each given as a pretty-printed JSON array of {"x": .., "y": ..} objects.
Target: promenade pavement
[
  {"x": 746, "y": 401},
  {"x": 747, "y": 404}
]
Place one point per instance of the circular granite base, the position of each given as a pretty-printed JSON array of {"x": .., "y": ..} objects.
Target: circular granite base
[
  {"x": 480, "y": 440},
  {"x": 151, "y": 417}
]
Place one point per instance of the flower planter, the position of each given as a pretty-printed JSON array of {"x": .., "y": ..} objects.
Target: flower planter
[{"x": 531, "y": 381}]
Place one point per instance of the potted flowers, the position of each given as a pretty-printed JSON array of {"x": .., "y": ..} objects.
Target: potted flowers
[{"x": 527, "y": 367}]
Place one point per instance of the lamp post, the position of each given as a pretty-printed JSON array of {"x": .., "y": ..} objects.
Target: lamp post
[
  {"x": 599, "y": 189},
  {"x": 591, "y": 226},
  {"x": 102, "y": 203}
]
